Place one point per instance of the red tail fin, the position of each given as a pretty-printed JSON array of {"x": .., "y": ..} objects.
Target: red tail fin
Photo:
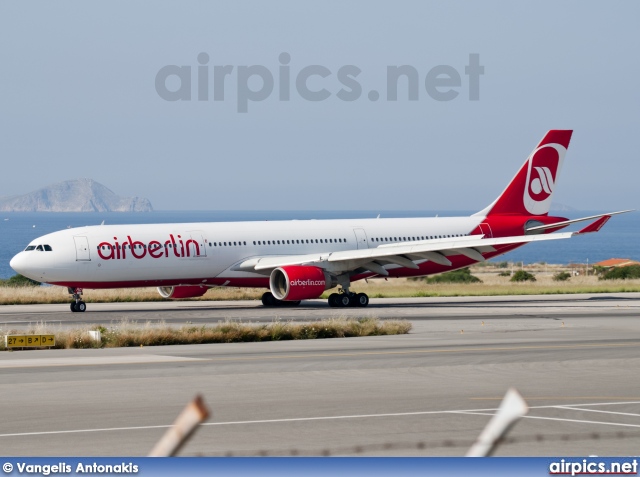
[{"x": 531, "y": 190}]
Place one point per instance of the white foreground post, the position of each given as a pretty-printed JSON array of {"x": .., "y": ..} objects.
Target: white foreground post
[
  {"x": 511, "y": 409},
  {"x": 179, "y": 433},
  {"x": 95, "y": 335}
]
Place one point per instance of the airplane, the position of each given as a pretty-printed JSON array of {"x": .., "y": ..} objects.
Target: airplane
[{"x": 300, "y": 259}]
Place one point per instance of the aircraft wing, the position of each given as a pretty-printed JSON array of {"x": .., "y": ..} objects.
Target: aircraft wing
[
  {"x": 403, "y": 254},
  {"x": 406, "y": 254}
]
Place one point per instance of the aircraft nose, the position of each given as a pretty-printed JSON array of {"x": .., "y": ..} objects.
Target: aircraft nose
[{"x": 19, "y": 263}]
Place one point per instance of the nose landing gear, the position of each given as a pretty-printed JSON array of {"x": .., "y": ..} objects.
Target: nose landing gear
[{"x": 77, "y": 305}]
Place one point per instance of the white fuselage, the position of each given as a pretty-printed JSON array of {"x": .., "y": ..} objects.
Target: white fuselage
[{"x": 172, "y": 254}]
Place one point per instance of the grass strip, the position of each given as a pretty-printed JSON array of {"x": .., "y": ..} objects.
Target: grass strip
[
  {"x": 397, "y": 288},
  {"x": 127, "y": 334}
]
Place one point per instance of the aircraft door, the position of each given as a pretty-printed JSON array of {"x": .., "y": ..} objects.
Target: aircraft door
[
  {"x": 197, "y": 244},
  {"x": 361, "y": 238},
  {"x": 82, "y": 249},
  {"x": 486, "y": 230}
]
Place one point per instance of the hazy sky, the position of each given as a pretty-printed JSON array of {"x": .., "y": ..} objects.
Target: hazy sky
[{"x": 79, "y": 99}]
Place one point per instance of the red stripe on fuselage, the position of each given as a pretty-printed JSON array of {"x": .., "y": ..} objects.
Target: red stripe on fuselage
[{"x": 258, "y": 282}]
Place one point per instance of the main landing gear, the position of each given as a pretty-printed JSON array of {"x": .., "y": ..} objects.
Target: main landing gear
[
  {"x": 77, "y": 305},
  {"x": 269, "y": 300},
  {"x": 348, "y": 299}
]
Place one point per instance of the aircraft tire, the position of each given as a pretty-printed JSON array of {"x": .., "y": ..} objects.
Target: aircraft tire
[
  {"x": 268, "y": 299},
  {"x": 81, "y": 306},
  {"x": 73, "y": 306},
  {"x": 333, "y": 300},
  {"x": 361, "y": 300}
]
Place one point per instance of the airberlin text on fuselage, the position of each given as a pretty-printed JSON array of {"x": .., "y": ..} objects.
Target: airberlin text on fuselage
[{"x": 155, "y": 249}]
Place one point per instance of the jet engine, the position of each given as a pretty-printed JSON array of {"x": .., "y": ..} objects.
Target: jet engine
[
  {"x": 298, "y": 282},
  {"x": 182, "y": 291}
]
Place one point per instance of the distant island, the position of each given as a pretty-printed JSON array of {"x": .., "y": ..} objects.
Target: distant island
[{"x": 81, "y": 195}]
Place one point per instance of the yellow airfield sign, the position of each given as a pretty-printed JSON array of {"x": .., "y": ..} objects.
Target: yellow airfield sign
[{"x": 29, "y": 341}]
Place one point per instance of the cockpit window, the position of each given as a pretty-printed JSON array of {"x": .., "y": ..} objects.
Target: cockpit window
[
  {"x": 29, "y": 248},
  {"x": 47, "y": 248},
  {"x": 39, "y": 248}
]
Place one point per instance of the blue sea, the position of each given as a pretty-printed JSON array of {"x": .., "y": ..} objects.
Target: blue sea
[{"x": 619, "y": 238}]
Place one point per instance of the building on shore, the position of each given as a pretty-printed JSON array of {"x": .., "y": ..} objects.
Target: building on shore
[{"x": 615, "y": 263}]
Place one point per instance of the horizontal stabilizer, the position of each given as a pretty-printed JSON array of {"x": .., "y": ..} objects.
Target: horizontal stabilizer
[
  {"x": 564, "y": 223},
  {"x": 596, "y": 226}
]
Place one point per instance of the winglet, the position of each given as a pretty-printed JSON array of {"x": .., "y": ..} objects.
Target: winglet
[{"x": 595, "y": 226}]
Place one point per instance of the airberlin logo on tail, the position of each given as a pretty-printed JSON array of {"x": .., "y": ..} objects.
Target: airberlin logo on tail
[
  {"x": 543, "y": 183},
  {"x": 542, "y": 172}
]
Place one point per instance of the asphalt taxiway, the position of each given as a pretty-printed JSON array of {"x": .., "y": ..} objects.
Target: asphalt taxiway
[{"x": 573, "y": 358}]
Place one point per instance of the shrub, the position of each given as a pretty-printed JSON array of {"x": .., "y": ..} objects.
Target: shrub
[
  {"x": 505, "y": 273},
  {"x": 457, "y": 276},
  {"x": 561, "y": 277},
  {"x": 522, "y": 276},
  {"x": 20, "y": 281},
  {"x": 622, "y": 273},
  {"x": 126, "y": 334}
]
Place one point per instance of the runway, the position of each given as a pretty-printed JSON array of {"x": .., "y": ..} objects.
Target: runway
[
  {"x": 573, "y": 358},
  {"x": 415, "y": 309}
]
